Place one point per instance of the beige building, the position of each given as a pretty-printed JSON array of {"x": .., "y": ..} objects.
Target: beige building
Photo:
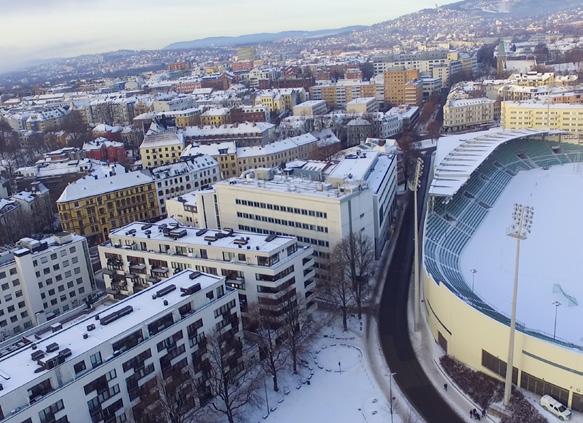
[
  {"x": 362, "y": 105},
  {"x": 556, "y": 116},
  {"x": 396, "y": 89},
  {"x": 465, "y": 113},
  {"x": 216, "y": 117},
  {"x": 233, "y": 161},
  {"x": 311, "y": 108},
  {"x": 161, "y": 147},
  {"x": 337, "y": 94}
]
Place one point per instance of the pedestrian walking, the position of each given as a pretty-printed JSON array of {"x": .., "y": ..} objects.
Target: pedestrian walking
[{"x": 445, "y": 386}]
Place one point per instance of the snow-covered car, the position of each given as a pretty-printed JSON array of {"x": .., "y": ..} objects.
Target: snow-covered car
[{"x": 555, "y": 407}]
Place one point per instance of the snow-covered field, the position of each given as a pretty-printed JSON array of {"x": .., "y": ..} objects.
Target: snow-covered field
[
  {"x": 340, "y": 394},
  {"x": 551, "y": 262}
]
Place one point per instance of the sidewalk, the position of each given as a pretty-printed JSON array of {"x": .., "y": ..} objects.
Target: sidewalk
[{"x": 428, "y": 353}]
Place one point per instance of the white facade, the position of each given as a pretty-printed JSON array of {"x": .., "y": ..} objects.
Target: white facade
[
  {"x": 311, "y": 108},
  {"x": 355, "y": 194},
  {"x": 465, "y": 113},
  {"x": 140, "y": 254},
  {"x": 194, "y": 173},
  {"x": 183, "y": 209},
  {"x": 99, "y": 368},
  {"x": 41, "y": 279}
]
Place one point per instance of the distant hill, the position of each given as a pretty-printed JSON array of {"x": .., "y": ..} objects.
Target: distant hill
[
  {"x": 265, "y": 37},
  {"x": 517, "y": 8}
]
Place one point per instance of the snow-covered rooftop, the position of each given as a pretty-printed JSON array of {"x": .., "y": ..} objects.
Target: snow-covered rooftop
[
  {"x": 229, "y": 129},
  {"x": 89, "y": 186},
  {"x": 458, "y": 156},
  {"x": 21, "y": 369}
]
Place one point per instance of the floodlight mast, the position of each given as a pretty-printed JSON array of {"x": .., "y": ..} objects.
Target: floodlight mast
[{"x": 522, "y": 218}]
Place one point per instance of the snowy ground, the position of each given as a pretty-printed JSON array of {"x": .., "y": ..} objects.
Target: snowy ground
[
  {"x": 551, "y": 261},
  {"x": 340, "y": 394}
]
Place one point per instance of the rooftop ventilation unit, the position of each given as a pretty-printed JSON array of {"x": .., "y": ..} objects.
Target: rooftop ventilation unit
[
  {"x": 131, "y": 232},
  {"x": 37, "y": 355},
  {"x": 191, "y": 289},
  {"x": 146, "y": 226},
  {"x": 90, "y": 327},
  {"x": 178, "y": 233},
  {"x": 164, "y": 291},
  {"x": 194, "y": 275},
  {"x": 200, "y": 232},
  {"x": 52, "y": 347},
  {"x": 270, "y": 237},
  {"x": 240, "y": 241},
  {"x": 116, "y": 315},
  {"x": 210, "y": 238}
]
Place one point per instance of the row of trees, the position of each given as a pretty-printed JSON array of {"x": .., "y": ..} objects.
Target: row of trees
[{"x": 224, "y": 380}]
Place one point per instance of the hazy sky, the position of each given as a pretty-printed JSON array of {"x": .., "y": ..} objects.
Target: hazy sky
[{"x": 37, "y": 29}]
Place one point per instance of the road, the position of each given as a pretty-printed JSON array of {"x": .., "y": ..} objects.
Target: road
[{"x": 393, "y": 327}]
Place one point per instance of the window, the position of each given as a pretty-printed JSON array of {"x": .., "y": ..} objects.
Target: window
[
  {"x": 95, "y": 359},
  {"x": 79, "y": 367}
]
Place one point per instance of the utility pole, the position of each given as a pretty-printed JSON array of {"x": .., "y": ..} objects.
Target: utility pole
[
  {"x": 414, "y": 186},
  {"x": 556, "y": 304},
  {"x": 391, "y": 393},
  {"x": 522, "y": 223}
]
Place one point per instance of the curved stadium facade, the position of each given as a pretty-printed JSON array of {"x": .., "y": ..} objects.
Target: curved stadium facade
[{"x": 472, "y": 173}]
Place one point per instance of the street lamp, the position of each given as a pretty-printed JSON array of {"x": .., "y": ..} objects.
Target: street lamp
[
  {"x": 391, "y": 392},
  {"x": 522, "y": 217},
  {"x": 414, "y": 186},
  {"x": 556, "y": 304},
  {"x": 474, "y": 271}
]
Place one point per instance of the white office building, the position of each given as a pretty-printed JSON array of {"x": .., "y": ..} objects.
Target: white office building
[
  {"x": 320, "y": 207},
  {"x": 265, "y": 269},
  {"x": 41, "y": 279},
  {"x": 104, "y": 367}
]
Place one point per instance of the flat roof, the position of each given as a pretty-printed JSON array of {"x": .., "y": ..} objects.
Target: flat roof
[
  {"x": 21, "y": 369},
  {"x": 257, "y": 242}
]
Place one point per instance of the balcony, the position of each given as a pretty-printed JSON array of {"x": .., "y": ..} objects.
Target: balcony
[{"x": 236, "y": 283}]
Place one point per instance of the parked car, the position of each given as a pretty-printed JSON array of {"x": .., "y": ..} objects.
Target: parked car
[{"x": 555, "y": 407}]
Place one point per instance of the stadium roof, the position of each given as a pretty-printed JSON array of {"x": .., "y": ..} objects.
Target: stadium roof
[{"x": 458, "y": 156}]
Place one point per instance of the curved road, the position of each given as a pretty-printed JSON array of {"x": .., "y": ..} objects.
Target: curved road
[{"x": 393, "y": 327}]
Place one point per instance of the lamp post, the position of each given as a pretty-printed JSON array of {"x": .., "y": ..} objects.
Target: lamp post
[
  {"x": 391, "y": 393},
  {"x": 414, "y": 186},
  {"x": 522, "y": 223},
  {"x": 474, "y": 271},
  {"x": 556, "y": 304}
]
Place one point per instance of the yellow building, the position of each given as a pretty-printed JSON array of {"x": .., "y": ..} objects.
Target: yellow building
[
  {"x": 280, "y": 99},
  {"x": 556, "y": 116},
  {"x": 93, "y": 207},
  {"x": 396, "y": 79},
  {"x": 338, "y": 94},
  {"x": 216, "y": 117},
  {"x": 161, "y": 147}
]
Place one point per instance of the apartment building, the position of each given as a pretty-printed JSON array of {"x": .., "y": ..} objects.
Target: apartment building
[
  {"x": 41, "y": 279},
  {"x": 216, "y": 117},
  {"x": 355, "y": 194},
  {"x": 430, "y": 86},
  {"x": 362, "y": 105},
  {"x": 192, "y": 173},
  {"x": 160, "y": 147},
  {"x": 233, "y": 161},
  {"x": 25, "y": 213},
  {"x": 397, "y": 91},
  {"x": 244, "y": 114},
  {"x": 423, "y": 61},
  {"x": 107, "y": 366},
  {"x": 139, "y": 255},
  {"x": 311, "y": 108},
  {"x": 183, "y": 209},
  {"x": 245, "y": 134},
  {"x": 555, "y": 116},
  {"x": 92, "y": 207},
  {"x": 337, "y": 94},
  {"x": 280, "y": 99},
  {"x": 461, "y": 114}
]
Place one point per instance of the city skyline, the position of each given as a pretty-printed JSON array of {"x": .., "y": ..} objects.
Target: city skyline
[{"x": 65, "y": 28}]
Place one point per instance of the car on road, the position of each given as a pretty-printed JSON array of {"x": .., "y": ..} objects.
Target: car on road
[{"x": 555, "y": 407}]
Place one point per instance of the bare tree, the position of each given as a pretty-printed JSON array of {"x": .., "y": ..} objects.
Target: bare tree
[
  {"x": 357, "y": 263},
  {"x": 76, "y": 127},
  {"x": 267, "y": 331},
  {"x": 229, "y": 380},
  {"x": 169, "y": 401},
  {"x": 336, "y": 288},
  {"x": 298, "y": 329}
]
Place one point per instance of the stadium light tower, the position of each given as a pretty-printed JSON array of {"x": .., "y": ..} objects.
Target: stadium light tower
[
  {"x": 414, "y": 186},
  {"x": 522, "y": 217}
]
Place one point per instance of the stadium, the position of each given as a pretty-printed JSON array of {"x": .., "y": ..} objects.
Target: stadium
[{"x": 468, "y": 259}]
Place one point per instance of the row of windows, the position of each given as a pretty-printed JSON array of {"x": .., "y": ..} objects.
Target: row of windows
[
  {"x": 281, "y": 208},
  {"x": 284, "y": 222},
  {"x": 305, "y": 240}
]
